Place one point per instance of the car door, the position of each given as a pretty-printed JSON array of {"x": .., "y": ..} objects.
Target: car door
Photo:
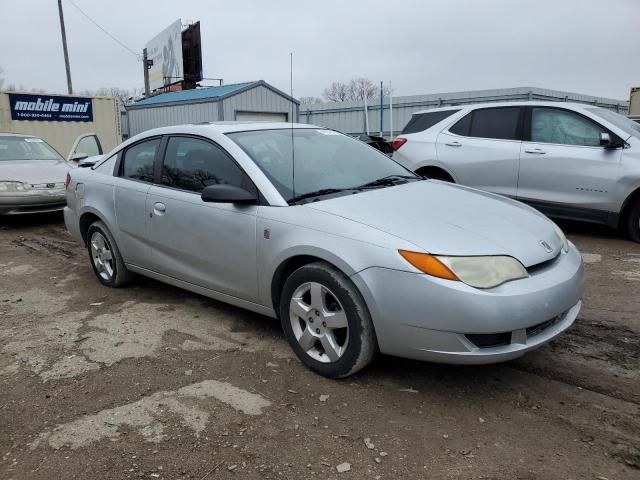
[
  {"x": 564, "y": 170},
  {"x": 482, "y": 149},
  {"x": 86, "y": 145},
  {"x": 212, "y": 245},
  {"x": 135, "y": 174}
]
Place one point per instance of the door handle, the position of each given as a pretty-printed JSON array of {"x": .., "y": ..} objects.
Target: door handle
[
  {"x": 537, "y": 151},
  {"x": 159, "y": 208},
  {"x": 453, "y": 144}
]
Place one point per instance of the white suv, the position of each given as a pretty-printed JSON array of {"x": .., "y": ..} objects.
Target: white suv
[{"x": 568, "y": 160}]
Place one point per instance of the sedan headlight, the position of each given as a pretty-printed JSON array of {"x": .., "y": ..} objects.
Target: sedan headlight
[
  {"x": 12, "y": 186},
  {"x": 479, "y": 272},
  {"x": 565, "y": 242}
]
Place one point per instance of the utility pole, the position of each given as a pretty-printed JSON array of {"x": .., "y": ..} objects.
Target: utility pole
[
  {"x": 146, "y": 64},
  {"x": 64, "y": 48}
]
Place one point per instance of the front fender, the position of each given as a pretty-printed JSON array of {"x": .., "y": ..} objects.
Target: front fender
[{"x": 278, "y": 242}]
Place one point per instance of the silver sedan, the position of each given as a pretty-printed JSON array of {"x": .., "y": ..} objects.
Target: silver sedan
[
  {"x": 354, "y": 253},
  {"x": 32, "y": 175}
]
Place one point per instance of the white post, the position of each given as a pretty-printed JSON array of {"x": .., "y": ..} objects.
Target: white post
[
  {"x": 390, "y": 113},
  {"x": 366, "y": 114}
]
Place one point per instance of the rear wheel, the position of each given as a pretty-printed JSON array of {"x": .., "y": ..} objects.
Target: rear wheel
[
  {"x": 105, "y": 257},
  {"x": 326, "y": 321},
  {"x": 633, "y": 222}
]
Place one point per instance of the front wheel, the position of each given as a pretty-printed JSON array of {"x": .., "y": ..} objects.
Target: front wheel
[
  {"x": 106, "y": 260},
  {"x": 326, "y": 321},
  {"x": 633, "y": 222}
]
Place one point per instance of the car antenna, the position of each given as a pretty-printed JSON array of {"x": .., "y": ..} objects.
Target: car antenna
[{"x": 293, "y": 152}]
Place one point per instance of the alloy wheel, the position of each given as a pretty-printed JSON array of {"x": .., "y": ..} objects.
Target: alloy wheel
[
  {"x": 102, "y": 256},
  {"x": 319, "y": 322}
]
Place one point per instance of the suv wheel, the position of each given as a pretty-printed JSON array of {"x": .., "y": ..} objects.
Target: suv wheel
[
  {"x": 633, "y": 222},
  {"x": 326, "y": 321},
  {"x": 105, "y": 257}
]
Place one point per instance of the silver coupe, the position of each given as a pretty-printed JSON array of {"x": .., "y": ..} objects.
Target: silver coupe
[{"x": 351, "y": 251}]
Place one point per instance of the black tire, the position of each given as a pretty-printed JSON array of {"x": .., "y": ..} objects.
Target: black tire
[
  {"x": 633, "y": 222},
  {"x": 120, "y": 275},
  {"x": 361, "y": 347},
  {"x": 435, "y": 174}
]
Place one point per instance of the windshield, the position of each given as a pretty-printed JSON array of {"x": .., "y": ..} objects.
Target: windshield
[
  {"x": 26, "y": 148},
  {"x": 324, "y": 160},
  {"x": 620, "y": 121}
]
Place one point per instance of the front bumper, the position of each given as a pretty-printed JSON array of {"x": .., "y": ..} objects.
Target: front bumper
[
  {"x": 426, "y": 318},
  {"x": 32, "y": 202}
]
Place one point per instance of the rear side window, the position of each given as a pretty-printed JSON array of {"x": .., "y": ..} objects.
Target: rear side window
[
  {"x": 498, "y": 123},
  {"x": 138, "y": 160},
  {"x": 422, "y": 121}
]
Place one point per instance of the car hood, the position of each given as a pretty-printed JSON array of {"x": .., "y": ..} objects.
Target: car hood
[
  {"x": 34, "y": 171},
  {"x": 447, "y": 219}
]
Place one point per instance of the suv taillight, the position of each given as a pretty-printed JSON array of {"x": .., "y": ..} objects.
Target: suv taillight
[
  {"x": 397, "y": 143},
  {"x": 67, "y": 181}
]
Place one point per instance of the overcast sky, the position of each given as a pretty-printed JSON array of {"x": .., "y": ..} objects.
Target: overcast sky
[{"x": 430, "y": 46}]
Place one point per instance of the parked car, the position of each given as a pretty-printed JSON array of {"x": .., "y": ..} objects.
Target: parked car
[
  {"x": 377, "y": 142},
  {"x": 350, "y": 250},
  {"x": 567, "y": 160},
  {"x": 32, "y": 172}
]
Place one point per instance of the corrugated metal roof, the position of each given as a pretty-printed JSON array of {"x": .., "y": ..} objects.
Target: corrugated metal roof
[{"x": 191, "y": 95}]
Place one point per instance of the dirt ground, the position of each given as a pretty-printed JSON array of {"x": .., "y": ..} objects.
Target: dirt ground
[{"x": 152, "y": 382}]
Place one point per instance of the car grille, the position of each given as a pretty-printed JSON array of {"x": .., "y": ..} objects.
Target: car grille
[
  {"x": 539, "y": 328},
  {"x": 489, "y": 340},
  {"x": 542, "y": 265}
]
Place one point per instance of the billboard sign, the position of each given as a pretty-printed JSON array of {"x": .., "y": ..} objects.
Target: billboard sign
[
  {"x": 192, "y": 54},
  {"x": 166, "y": 52},
  {"x": 50, "y": 108}
]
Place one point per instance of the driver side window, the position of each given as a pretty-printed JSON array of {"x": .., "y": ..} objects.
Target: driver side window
[
  {"x": 192, "y": 164},
  {"x": 554, "y": 125}
]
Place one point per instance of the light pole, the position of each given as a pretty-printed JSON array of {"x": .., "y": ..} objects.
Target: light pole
[{"x": 64, "y": 48}]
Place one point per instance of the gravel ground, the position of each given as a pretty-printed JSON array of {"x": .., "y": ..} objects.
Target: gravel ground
[{"x": 151, "y": 381}]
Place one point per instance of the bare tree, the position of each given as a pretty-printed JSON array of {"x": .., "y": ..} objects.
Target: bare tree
[
  {"x": 336, "y": 92},
  {"x": 357, "y": 89},
  {"x": 310, "y": 100},
  {"x": 125, "y": 95},
  {"x": 361, "y": 88}
]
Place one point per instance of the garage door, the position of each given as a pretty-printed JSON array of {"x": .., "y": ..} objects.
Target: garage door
[{"x": 261, "y": 116}]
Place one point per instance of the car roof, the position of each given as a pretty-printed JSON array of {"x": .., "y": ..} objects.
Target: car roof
[
  {"x": 227, "y": 127},
  {"x": 223, "y": 127},
  {"x": 470, "y": 106},
  {"x": 23, "y": 135}
]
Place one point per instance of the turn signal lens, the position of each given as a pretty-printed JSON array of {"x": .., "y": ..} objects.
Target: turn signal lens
[{"x": 428, "y": 264}]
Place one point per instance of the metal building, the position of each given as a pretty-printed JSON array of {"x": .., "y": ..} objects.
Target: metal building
[
  {"x": 241, "y": 101},
  {"x": 349, "y": 117}
]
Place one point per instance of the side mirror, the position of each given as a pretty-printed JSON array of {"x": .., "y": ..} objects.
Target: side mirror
[
  {"x": 606, "y": 142},
  {"x": 224, "y": 193},
  {"x": 78, "y": 157}
]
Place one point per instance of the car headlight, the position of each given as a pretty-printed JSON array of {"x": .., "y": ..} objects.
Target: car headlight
[
  {"x": 563, "y": 238},
  {"x": 12, "y": 187},
  {"x": 479, "y": 272}
]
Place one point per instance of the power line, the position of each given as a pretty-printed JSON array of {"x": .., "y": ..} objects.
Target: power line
[{"x": 137, "y": 55}]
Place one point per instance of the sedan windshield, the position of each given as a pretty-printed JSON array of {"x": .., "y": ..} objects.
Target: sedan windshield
[
  {"x": 26, "y": 148},
  {"x": 321, "y": 162},
  {"x": 620, "y": 121}
]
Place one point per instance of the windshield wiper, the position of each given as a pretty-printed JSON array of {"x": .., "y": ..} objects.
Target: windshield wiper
[
  {"x": 317, "y": 193},
  {"x": 388, "y": 181}
]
